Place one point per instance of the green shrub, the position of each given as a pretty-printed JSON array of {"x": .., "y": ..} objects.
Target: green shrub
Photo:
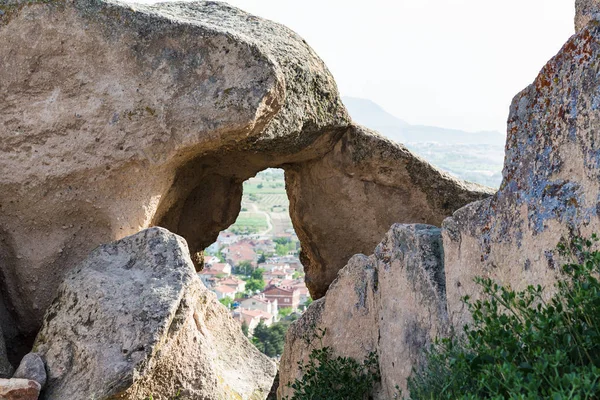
[
  {"x": 521, "y": 345},
  {"x": 326, "y": 376}
]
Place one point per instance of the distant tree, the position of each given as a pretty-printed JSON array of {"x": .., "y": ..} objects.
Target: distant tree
[
  {"x": 258, "y": 273},
  {"x": 262, "y": 259},
  {"x": 226, "y": 301},
  {"x": 253, "y": 285},
  {"x": 282, "y": 240},
  {"x": 259, "y": 186},
  {"x": 285, "y": 311},
  {"x": 281, "y": 249},
  {"x": 244, "y": 267},
  {"x": 270, "y": 340}
]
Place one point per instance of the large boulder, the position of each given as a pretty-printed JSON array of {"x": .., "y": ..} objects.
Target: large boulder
[
  {"x": 391, "y": 303},
  {"x": 121, "y": 116},
  {"x": 344, "y": 203},
  {"x": 550, "y": 189},
  {"x": 133, "y": 321}
]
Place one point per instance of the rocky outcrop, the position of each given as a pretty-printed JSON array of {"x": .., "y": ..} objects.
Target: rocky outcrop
[
  {"x": 344, "y": 203},
  {"x": 120, "y": 117},
  {"x": 391, "y": 303},
  {"x": 133, "y": 321},
  {"x": 550, "y": 188},
  {"x": 585, "y": 10}
]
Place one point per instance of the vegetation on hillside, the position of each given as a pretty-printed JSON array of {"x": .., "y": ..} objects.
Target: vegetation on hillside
[
  {"x": 521, "y": 344},
  {"x": 326, "y": 376}
]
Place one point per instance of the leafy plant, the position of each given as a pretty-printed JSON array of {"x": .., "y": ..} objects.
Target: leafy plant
[
  {"x": 326, "y": 376},
  {"x": 523, "y": 345}
]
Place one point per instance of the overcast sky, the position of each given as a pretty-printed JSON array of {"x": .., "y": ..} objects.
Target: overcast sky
[{"x": 449, "y": 63}]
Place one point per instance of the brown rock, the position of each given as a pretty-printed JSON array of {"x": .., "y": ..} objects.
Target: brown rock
[
  {"x": 19, "y": 389},
  {"x": 123, "y": 117},
  {"x": 134, "y": 320},
  {"x": 391, "y": 303},
  {"x": 344, "y": 203}
]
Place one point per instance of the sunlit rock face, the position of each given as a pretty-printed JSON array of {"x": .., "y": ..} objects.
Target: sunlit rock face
[
  {"x": 550, "y": 188},
  {"x": 116, "y": 117},
  {"x": 391, "y": 303},
  {"x": 134, "y": 321}
]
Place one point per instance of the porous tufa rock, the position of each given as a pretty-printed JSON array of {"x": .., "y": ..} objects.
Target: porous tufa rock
[
  {"x": 391, "y": 303},
  {"x": 133, "y": 320}
]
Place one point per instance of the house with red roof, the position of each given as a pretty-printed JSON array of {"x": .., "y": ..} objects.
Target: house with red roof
[
  {"x": 234, "y": 283},
  {"x": 260, "y": 302},
  {"x": 224, "y": 292},
  {"x": 252, "y": 318},
  {"x": 240, "y": 251},
  {"x": 285, "y": 297}
]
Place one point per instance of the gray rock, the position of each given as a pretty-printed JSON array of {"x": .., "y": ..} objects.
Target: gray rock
[
  {"x": 134, "y": 320},
  {"x": 585, "y": 10},
  {"x": 32, "y": 367},
  {"x": 550, "y": 187},
  {"x": 392, "y": 303}
]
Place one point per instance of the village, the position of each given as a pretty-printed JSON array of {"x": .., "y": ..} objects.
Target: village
[
  {"x": 253, "y": 267},
  {"x": 249, "y": 276}
]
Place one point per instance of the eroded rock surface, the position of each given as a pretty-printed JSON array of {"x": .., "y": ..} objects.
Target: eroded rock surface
[
  {"x": 550, "y": 187},
  {"x": 6, "y": 368},
  {"x": 133, "y": 320},
  {"x": 391, "y": 303},
  {"x": 345, "y": 202},
  {"x": 120, "y": 117},
  {"x": 585, "y": 10}
]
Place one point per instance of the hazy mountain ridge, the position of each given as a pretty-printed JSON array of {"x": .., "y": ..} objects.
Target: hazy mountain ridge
[{"x": 473, "y": 156}]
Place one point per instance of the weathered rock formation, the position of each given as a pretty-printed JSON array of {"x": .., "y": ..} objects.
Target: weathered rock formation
[
  {"x": 32, "y": 367},
  {"x": 133, "y": 321},
  {"x": 349, "y": 198},
  {"x": 550, "y": 192},
  {"x": 551, "y": 181},
  {"x": 585, "y": 10},
  {"x": 6, "y": 368},
  {"x": 117, "y": 117},
  {"x": 391, "y": 303}
]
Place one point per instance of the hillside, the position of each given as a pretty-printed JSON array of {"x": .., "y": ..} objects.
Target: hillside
[{"x": 473, "y": 156}]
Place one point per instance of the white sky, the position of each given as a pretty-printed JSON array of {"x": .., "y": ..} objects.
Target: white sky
[{"x": 449, "y": 63}]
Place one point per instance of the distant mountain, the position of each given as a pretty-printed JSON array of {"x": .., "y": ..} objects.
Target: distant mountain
[
  {"x": 367, "y": 113},
  {"x": 473, "y": 156}
]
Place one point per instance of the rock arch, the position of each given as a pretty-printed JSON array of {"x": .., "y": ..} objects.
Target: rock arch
[{"x": 123, "y": 117}]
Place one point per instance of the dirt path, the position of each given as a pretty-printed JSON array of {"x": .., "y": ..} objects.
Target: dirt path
[{"x": 269, "y": 223}]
